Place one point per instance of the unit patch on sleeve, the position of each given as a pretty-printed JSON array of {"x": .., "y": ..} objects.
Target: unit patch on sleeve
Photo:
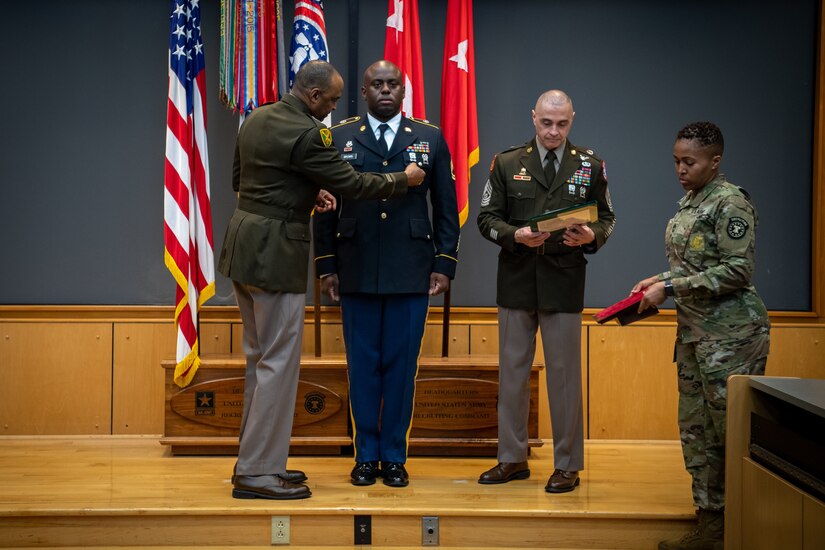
[
  {"x": 326, "y": 137},
  {"x": 737, "y": 227}
]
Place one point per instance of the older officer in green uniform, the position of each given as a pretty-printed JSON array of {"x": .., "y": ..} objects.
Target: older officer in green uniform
[
  {"x": 722, "y": 324},
  {"x": 541, "y": 285},
  {"x": 283, "y": 155}
]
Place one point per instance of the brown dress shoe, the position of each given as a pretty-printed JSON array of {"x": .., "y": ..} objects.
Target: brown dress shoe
[
  {"x": 293, "y": 476},
  {"x": 504, "y": 472},
  {"x": 271, "y": 487},
  {"x": 562, "y": 482}
]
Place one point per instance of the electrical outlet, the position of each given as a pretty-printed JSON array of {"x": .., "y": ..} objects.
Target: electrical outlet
[
  {"x": 429, "y": 531},
  {"x": 280, "y": 529},
  {"x": 363, "y": 530}
]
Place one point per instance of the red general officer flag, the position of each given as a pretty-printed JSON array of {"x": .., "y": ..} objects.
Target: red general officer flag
[
  {"x": 402, "y": 46},
  {"x": 459, "y": 122}
]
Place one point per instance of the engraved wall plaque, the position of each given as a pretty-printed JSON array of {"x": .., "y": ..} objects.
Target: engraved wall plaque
[
  {"x": 455, "y": 404},
  {"x": 220, "y": 403}
]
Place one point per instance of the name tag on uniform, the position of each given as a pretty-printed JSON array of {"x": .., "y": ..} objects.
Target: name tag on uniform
[
  {"x": 522, "y": 177},
  {"x": 349, "y": 156}
]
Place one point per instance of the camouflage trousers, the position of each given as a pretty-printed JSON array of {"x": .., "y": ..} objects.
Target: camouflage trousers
[{"x": 703, "y": 369}]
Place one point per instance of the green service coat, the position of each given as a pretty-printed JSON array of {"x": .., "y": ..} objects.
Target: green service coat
[
  {"x": 550, "y": 277},
  {"x": 283, "y": 156}
]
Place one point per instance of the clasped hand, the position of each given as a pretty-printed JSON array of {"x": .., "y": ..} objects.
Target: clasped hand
[{"x": 575, "y": 235}]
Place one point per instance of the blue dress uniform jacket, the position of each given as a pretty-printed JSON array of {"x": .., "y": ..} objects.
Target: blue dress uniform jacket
[
  {"x": 390, "y": 246},
  {"x": 550, "y": 277}
]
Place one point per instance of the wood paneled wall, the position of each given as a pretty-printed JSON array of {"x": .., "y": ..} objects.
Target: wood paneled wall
[{"x": 103, "y": 376}]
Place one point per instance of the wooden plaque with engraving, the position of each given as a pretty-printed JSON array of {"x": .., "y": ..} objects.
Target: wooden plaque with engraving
[{"x": 455, "y": 407}]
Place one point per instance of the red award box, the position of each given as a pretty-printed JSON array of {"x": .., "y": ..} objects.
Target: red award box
[{"x": 626, "y": 311}]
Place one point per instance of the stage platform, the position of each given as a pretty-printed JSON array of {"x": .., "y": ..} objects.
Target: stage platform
[{"x": 131, "y": 492}]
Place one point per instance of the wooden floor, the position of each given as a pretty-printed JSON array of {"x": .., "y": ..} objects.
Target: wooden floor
[{"x": 113, "y": 491}]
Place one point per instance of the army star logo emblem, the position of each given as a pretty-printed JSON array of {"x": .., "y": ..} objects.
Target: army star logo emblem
[{"x": 326, "y": 137}]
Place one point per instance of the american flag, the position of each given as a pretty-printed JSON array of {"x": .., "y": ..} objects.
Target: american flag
[
  {"x": 186, "y": 210},
  {"x": 309, "y": 36}
]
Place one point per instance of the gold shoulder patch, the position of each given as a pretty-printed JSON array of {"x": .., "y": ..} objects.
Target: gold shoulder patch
[
  {"x": 326, "y": 137},
  {"x": 423, "y": 121},
  {"x": 348, "y": 121}
]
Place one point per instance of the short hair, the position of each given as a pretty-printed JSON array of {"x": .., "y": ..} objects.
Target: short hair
[
  {"x": 554, "y": 97},
  {"x": 315, "y": 74},
  {"x": 707, "y": 134}
]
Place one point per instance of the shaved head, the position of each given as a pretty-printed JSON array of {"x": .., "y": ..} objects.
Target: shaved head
[{"x": 555, "y": 98}]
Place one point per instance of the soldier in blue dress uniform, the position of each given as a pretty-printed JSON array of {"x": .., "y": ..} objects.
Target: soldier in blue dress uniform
[{"x": 384, "y": 259}]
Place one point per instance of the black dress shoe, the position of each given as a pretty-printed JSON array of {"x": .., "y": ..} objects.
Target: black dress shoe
[
  {"x": 364, "y": 473},
  {"x": 562, "y": 482},
  {"x": 504, "y": 472},
  {"x": 270, "y": 487},
  {"x": 394, "y": 474}
]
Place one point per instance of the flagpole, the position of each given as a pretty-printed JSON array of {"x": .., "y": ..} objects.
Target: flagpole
[
  {"x": 352, "y": 58},
  {"x": 317, "y": 320},
  {"x": 282, "y": 78},
  {"x": 445, "y": 328}
]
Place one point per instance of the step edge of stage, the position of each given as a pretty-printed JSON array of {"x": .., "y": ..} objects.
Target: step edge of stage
[{"x": 343, "y": 511}]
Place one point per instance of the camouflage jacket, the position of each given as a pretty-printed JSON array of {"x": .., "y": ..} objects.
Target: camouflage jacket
[{"x": 710, "y": 248}]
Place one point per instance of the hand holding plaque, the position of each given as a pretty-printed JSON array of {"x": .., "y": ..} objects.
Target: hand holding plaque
[
  {"x": 563, "y": 218},
  {"x": 626, "y": 311}
]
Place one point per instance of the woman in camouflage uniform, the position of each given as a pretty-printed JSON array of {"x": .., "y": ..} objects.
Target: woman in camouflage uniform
[{"x": 722, "y": 323}]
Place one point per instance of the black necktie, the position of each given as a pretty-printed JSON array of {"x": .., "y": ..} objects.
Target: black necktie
[
  {"x": 382, "y": 142},
  {"x": 550, "y": 167}
]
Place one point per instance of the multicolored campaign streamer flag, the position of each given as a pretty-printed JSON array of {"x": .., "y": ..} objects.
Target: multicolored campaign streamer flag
[{"x": 250, "y": 47}]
